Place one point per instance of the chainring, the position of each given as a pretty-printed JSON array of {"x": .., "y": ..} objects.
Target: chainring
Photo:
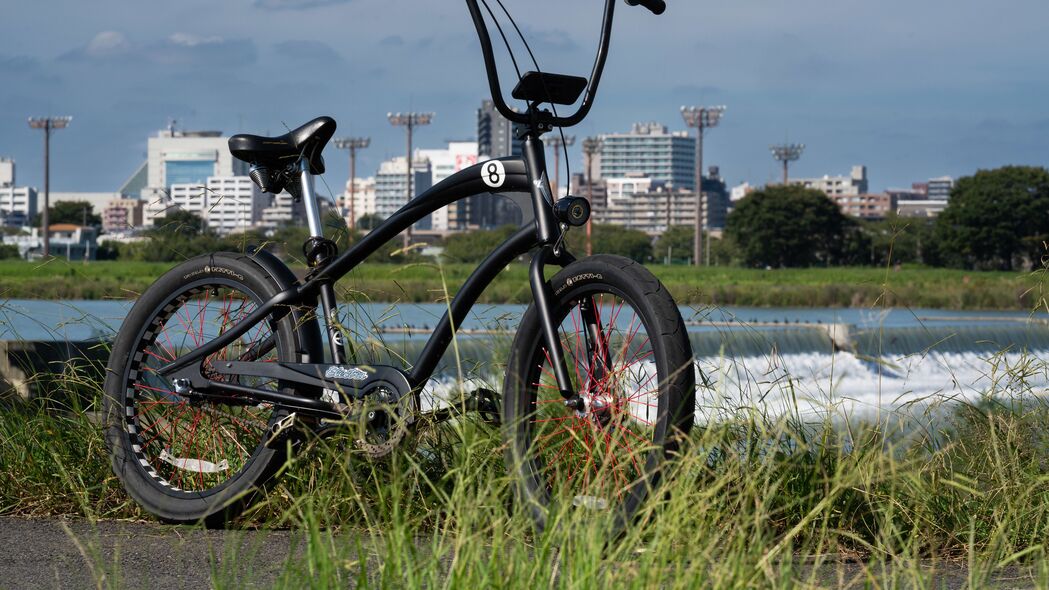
[{"x": 379, "y": 421}]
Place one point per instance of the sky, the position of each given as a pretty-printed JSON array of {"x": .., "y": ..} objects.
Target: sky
[{"x": 913, "y": 89}]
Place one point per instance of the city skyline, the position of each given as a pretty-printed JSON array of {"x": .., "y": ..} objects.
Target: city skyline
[{"x": 937, "y": 91}]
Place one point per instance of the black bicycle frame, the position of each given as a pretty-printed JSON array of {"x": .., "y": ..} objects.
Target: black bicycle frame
[{"x": 505, "y": 175}]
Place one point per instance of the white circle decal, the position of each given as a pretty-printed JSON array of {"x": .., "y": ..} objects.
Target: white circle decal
[{"x": 493, "y": 174}]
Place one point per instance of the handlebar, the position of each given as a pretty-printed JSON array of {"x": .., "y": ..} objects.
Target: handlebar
[{"x": 656, "y": 6}]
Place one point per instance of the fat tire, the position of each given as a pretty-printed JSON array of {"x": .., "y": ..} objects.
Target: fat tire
[
  {"x": 212, "y": 507},
  {"x": 673, "y": 357}
]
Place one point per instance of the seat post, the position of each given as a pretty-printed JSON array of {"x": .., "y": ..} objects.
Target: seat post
[{"x": 309, "y": 197}]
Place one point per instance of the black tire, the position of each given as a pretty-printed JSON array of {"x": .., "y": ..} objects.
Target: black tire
[
  {"x": 206, "y": 470},
  {"x": 549, "y": 471}
]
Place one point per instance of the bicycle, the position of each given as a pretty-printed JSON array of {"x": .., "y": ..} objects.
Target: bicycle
[{"x": 220, "y": 365}]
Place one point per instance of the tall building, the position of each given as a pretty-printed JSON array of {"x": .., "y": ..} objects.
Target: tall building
[
  {"x": 363, "y": 198},
  {"x": 391, "y": 185},
  {"x": 651, "y": 150},
  {"x": 496, "y": 137},
  {"x": 228, "y": 204},
  {"x": 7, "y": 172},
  {"x": 939, "y": 189},
  {"x": 458, "y": 156},
  {"x": 650, "y": 205},
  {"x": 853, "y": 184},
  {"x": 189, "y": 157},
  {"x": 18, "y": 204}
]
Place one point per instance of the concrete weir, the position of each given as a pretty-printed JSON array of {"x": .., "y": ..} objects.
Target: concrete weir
[{"x": 26, "y": 366}]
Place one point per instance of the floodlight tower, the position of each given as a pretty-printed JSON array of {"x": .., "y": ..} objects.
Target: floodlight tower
[
  {"x": 353, "y": 144},
  {"x": 409, "y": 121},
  {"x": 591, "y": 147},
  {"x": 701, "y": 118},
  {"x": 559, "y": 143},
  {"x": 787, "y": 153},
  {"x": 48, "y": 124}
]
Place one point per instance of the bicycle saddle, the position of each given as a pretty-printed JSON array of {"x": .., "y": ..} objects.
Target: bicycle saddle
[{"x": 277, "y": 152}]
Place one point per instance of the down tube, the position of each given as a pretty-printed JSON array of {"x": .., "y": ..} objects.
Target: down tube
[{"x": 520, "y": 243}]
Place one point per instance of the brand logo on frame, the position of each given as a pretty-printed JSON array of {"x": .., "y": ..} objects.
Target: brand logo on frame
[{"x": 350, "y": 374}]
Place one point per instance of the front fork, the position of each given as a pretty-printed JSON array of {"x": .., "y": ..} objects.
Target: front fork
[{"x": 597, "y": 355}]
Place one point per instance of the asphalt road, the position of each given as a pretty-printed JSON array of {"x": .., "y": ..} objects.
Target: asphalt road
[{"x": 55, "y": 553}]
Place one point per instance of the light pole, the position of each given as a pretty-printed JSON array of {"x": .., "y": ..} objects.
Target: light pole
[
  {"x": 787, "y": 153},
  {"x": 701, "y": 118},
  {"x": 557, "y": 144},
  {"x": 352, "y": 144},
  {"x": 591, "y": 147},
  {"x": 48, "y": 124},
  {"x": 409, "y": 121}
]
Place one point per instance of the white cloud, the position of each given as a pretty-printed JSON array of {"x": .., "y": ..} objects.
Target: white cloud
[{"x": 108, "y": 44}]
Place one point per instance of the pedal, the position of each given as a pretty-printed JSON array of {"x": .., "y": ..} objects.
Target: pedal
[
  {"x": 280, "y": 427},
  {"x": 486, "y": 403}
]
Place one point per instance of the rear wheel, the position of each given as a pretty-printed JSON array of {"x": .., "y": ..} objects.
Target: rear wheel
[
  {"x": 630, "y": 360},
  {"x": 184, "y": 458}
]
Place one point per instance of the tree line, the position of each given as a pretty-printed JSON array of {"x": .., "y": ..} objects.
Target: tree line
[{"x": 995, "y": 220}]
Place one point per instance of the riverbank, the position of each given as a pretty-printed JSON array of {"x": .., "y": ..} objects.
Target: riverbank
[{"x": 931, "y": 288}]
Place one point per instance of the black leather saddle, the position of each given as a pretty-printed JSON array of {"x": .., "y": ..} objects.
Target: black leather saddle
[{"x": 277, "y": 152}]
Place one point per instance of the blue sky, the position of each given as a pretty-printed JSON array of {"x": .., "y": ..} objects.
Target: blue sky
[{"x": 913, "y": 89}]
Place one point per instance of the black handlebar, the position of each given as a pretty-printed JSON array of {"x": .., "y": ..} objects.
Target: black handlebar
[{"x": 656, "y": 6}]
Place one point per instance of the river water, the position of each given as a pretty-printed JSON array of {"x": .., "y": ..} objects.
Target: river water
[{"x": 775, "y": 359}]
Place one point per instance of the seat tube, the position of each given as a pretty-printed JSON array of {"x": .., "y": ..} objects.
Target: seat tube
[{"x": 309, "y": 197}]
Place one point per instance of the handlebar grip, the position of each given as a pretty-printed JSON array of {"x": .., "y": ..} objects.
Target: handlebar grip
[{"x": 656, "y": 6}]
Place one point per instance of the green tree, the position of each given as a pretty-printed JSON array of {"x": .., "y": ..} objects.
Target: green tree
[
  {"x": 612, "y": 239},
  {"x": 898, "y": 240},
  {"x": 995, "y": 219},
  {"x": 369, "y": 222},
  {"x": 472, "y": 247},
  {"x": 179, "y": 223},
  {"x": 790, "y": 226},
  {"x": 675, "y": 242},
  {"x": 8, "y": 252},
  {"x": 75, "y": 212}
]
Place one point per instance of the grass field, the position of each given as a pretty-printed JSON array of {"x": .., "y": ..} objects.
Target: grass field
[
  {"x": 756, "y": 501},
  {"x": 823, "y": 287}
]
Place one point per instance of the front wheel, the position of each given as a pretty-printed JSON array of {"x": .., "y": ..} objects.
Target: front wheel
[{"x": 630, "y": 360}]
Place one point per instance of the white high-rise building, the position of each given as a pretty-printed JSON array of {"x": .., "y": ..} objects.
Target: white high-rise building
[
  {"x": 227, "y": 203},
  {"x": 190, "y": 157},
  {"x": 7, "y": 172},
  {"x": 363, "y": 198},
  {"x": 17, "y": 205},
  {"x": 235, "y": 204},
  {"x": 391, "y": 185},
  {"x": 649, "y": 149},
  {"x": 459, "y": 155}
]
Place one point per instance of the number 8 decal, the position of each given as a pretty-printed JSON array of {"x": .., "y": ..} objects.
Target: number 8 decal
[{"x": 493, "y": 174}]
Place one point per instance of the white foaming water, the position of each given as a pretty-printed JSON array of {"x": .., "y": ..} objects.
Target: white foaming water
[
  {"x": 846, "y": 385},
  {"x": 816, "y": 385}
]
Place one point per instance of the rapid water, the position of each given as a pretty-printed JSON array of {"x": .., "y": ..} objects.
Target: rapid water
[{"x": 774, "y": 360}]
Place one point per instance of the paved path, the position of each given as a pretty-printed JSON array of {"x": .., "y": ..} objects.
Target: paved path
[{"x": 55, "y": 553}]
